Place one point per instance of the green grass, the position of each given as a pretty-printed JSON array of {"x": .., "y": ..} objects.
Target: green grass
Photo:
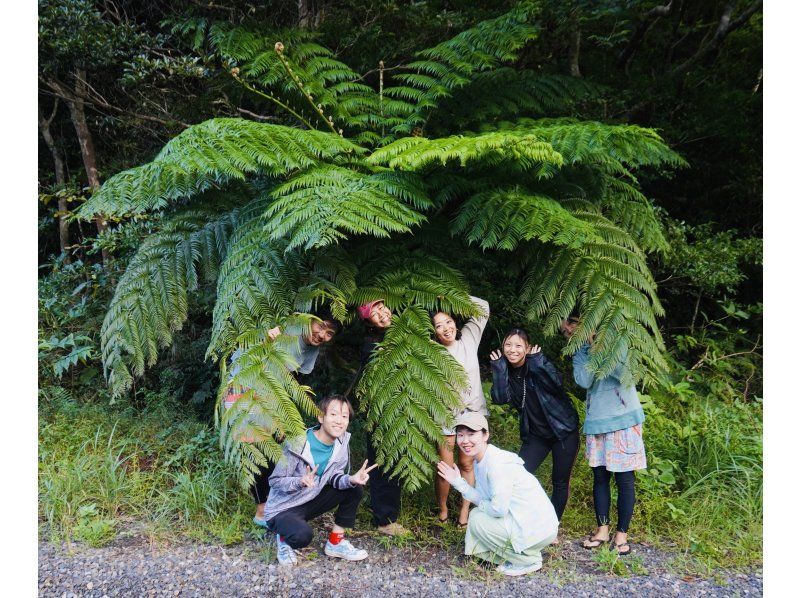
[{"x": 157, "y": 471}]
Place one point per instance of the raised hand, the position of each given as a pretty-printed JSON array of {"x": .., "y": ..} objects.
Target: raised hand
[
  {"x": 310, "y": 479},
  {"x": 274, "y": 333},
  {"x": 495, "y": 355},
  {"x": 448, "y": 472},
  {"x": 534, "y": 349},
  {"x": 361, "y": 477}
]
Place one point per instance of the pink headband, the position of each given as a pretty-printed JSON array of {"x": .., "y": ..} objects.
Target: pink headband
[{"x": 366, "y": 309}]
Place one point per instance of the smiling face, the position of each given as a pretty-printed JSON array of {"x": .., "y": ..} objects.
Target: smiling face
[
  {"x": 380, "y": 316},
  {"x": 445, "y": 328},
  {"x": 335, "y": 421},
  {"x": 321, "y": 333},
  {"x": 515, "y": 348},
  {"x": 472, "y": 443}
]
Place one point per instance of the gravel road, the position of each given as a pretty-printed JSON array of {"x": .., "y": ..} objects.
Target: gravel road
[{"x": 134, "y": 567}]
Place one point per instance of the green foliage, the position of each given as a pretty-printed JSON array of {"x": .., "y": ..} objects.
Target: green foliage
[
  {"x": 561, "y": 189},
  {"x": 54, "y": 349},
  {"x": 490, "y": 149},
  {"x": 711, "y": 261},
  {"x": 151, "y": 300},
  {"x": 505, "y": 93},
  {"x": 414, "y": 379},
  {"x": 453, "y": 64},
  {"x": 209, "y": 155},
  {"x": 504, "y": 218},
  {"x": 328, "y": 85},
  {"x": 614, "y": 291},
  {"x": 328, "y": 204}
]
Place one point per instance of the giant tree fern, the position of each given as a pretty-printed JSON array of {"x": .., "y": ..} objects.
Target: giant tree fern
[{"x": 327, "y": 192}]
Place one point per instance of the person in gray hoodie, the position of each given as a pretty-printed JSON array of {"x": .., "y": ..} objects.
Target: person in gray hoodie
[
  {"x": 513, "y": 518},
  {"x": 614, "y": 444},
  {"x": 311, "y": 479}
]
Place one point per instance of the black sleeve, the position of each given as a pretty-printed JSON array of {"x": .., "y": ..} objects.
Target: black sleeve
[{"x": 500, "y": 393}]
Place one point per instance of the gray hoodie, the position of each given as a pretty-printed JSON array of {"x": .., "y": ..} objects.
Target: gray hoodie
[{"x": 286, "y": 487}]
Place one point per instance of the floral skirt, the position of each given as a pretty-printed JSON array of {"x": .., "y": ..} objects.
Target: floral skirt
[{"x": 621, "y": 450}]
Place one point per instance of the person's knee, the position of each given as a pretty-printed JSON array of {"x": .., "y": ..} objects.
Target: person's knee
[
  {"x": 465, "y": 463},
  {"x": 301, "y": 537},
  {"x": 355, "y": 493}
]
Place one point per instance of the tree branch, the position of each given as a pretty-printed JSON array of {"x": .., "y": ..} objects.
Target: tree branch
[
  {"x": 59, "y": 90},
  {"x": 724, "y": 28},
  {"x": 647, "y": 20}
]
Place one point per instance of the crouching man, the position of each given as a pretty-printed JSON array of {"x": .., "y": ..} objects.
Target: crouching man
[{"x": 311, "y": 479}]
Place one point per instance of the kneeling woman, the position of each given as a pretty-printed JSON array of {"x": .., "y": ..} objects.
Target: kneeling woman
[
  {"x": 514, "y": 519},
  {"x": 548, "y": 423}
]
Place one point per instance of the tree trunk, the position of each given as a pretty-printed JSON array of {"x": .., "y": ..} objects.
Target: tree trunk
[
  {"x": 575, "y": 53},
  {"x": 78, "y": 113},
  {"x": 61, "y": 179},
  {"x": 304, "y": 13}
]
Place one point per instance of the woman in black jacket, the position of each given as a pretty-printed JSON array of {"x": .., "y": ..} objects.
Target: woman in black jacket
[{"x": 548, "y": 422}]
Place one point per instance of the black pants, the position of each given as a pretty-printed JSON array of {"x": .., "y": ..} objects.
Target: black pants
[
  {"x": 292, "y": 524},
  {"x": 535, "y": 449},
  {"x": 626, "y": 496},
  {"x": 259, "y": 490},
  {"x": 384, "y": 493}
]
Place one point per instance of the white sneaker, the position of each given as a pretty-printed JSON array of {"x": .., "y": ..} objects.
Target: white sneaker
[
  {"x": 286, "y": 555},
  {"x": 345, "y": 550},
  {"x": 514, "y": 570}
]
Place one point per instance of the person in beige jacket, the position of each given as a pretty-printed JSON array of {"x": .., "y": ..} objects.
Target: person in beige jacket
[{"x": 463, "y": 345}]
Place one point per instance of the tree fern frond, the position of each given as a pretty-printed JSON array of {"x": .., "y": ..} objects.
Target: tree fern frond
[
  {"x": 409, "y": 390},
  {"x": 151, "y": 302},
  {"x": 502, "y": 218},
  {"x": 333, "y": 86},
  {"x": 271, "y": 405},
  {"x": 321, "y": 206},
  {"x": 417, "y": 153},
  {"x": 454, "y": 63},
  {"x": 213, "y": 154},
  {"x": 506, "y": 92},
  {"x": 619, "y": 147},
  {"x": 415, "y": 280},
  {"x": 627, "y": 206},
  {"x": 608, "y": 280}
]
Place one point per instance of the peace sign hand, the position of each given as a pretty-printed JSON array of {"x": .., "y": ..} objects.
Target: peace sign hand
[
  {"x": 361, "y": 477},
  {"x": 534, "y": 349},
  {"x": 495, "y": 355},
  {"x": 274, "y": 333},
  {"x": 310, "y": 479}
]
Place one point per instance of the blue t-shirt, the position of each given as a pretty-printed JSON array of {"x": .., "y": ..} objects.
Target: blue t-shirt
[{"x": 320, "y": 452}]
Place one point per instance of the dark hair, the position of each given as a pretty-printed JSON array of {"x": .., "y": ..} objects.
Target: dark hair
[
  {"x": 516, "y": 332},
  {"x": 324, "y": 314},
  {"x": 439, "y": 311},
  {"x": 323, "y": 403}
]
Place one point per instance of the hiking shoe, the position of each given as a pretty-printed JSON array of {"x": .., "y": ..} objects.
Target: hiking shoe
[
  {"x": 286, "y": 555},
  {"x": 260, "y": 522},
  {"x": 394, "y": 529},
  {"x": 345, "y": 550},
  {"x": 514, "y": 570}
]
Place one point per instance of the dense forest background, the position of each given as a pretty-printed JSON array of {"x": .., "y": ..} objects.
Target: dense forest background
[{"x": 118, "y": 80}]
